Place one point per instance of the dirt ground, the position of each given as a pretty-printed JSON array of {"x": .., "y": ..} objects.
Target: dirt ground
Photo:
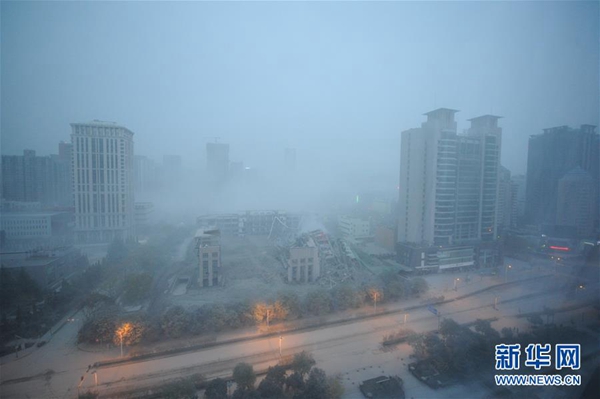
[{"x": 250, "y": 272}]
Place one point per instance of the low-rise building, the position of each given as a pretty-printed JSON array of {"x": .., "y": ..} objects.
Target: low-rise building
[
  {"x": 48, "y": 268},
  {"x": 30, "y": 229},
  {"x": 431, "y": 258},
  {"x": 249, "y": 222},
  {"x": 143, "y": 212},
  {"x": 302, "y": 263},
  {"x": 208, "y": 249},
  {"x": 355, "y": 229}
]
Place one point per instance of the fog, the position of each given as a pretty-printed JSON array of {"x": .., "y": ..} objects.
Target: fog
[{"x": 336, "y": 81}]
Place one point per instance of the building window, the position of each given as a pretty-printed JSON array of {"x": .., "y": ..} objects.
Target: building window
[{"x": 205, "y": 255}]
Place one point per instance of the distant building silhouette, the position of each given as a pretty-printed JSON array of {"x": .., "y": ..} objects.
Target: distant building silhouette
[
  {"x": 102, "y": 181},
  {"x": 577, "y": 202},
  {"x": 550, "y": 156},
  {"x": 217, "y": 162},
  {"x": 505, "y": 199},
  {"x": 33, "y": 178}
]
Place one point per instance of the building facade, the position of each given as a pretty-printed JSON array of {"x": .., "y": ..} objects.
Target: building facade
[
  {"x": 302, "y": 263},
  {"x": 576, "y": 206},
  {"x": 208, "y": 249},
  {"x": 448, "y": 190},
  {"x": 217, "y": 162},
  {"x": 505, "y": 200},
  {"x": 250, "y": 222},
  {"x": 43, "y": 179},
  {"x": 102, "y": 181},
  {"x": 550, "y": 156},
  {"x": 354, "y": 228}
]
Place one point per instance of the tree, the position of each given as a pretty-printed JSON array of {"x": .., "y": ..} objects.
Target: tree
[
  {"x": 318, "y": 302},
  {"x": 450, "y": 328},
  {"x": 316, "y": 385},
  {"x": 295, "y": 382},
  {"x": 272, "y": 385},
  {"x": 291, "y": 302},
  {"x": 246, "y": 394},
  {"x": 136, "y": 287},
  {"x": 180, "y": 389},
  {"x": 375, "y": 294},
  {"x": 130, "y": 333},
  {"x": 346, "y": 297},
  {"x": 419, "y": 286},
  {"x": 335, "y": 389},
  {"x": 175, "y": 322},
  {"x": 216, "y": 389},
  {"x": 243, "y": 375},
  {"x": 302, "y": 363}
]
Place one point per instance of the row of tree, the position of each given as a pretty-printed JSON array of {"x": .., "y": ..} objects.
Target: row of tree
[
  {"x": 102, "y": 314},
  {"x": 304, "y": 382},
  {"x": 461, "y": 352}
]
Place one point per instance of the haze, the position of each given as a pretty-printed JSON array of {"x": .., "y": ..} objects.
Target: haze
[{"x": 336, "y": 81}]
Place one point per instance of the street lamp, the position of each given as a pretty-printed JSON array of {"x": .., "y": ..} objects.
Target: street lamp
[
  {"x": 125, "y": 329},
  {"x": 455, "y": 281},
  {"x": 375, "y": 295},
  {"x": 506, "y": 272},
  {"x": 280, "y": 339}
]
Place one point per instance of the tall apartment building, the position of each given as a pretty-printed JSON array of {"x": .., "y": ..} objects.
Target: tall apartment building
[
  {"x": 505, "y": 209},
  {"x": 577, "y": 199},
  {"x": 208, "y": 249},
  {"x": 145, "y": 175},
  {"x": 518, "y": 189},
  {"x": 33, "y": 178},
  {"x": 448, "y": 191},
  {"x": 102, "y": 181},
  {"x": 550, "y": 156},
  {"x": 217, "y": 162}
]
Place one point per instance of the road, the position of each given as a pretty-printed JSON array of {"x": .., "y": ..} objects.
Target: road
[{"x": 335, "y": 348}]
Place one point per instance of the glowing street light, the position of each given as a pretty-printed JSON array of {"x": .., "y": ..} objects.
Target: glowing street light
[
  {"x": 455, "y": 281},
  {"x": 122, "y": 331},
  {"x": 506, "y": 272},
  {"x": 280, "y": 340}
]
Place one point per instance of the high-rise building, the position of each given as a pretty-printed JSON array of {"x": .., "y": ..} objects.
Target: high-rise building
[
  {"x": 550, "y": 156},
  {"x": 518, "y": 188},
  {"x": 102, "y": 181},
  {"x": 504, "y": 214},
  {"x": 217, "y": 162},
  {"x": 33, "y": 178},
  {"x": 577, "y": 202},
  {"x": 448, "y": 190},
  {"x": 145, "y": 175}
]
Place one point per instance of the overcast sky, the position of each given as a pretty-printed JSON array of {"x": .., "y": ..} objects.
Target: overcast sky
[{"x": 341, "y": 76}]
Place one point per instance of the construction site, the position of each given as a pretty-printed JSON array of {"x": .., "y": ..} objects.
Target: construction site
[{"x": 260, "y": 254}]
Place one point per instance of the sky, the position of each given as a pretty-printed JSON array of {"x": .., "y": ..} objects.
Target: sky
[{"x": 339, "y": 81}]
